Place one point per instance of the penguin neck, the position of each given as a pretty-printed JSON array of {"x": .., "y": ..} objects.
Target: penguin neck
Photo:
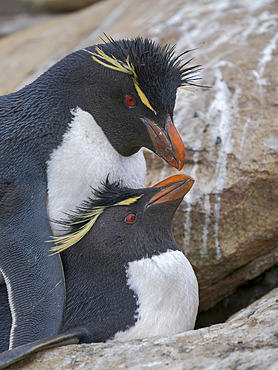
[{"x": 83, "y": 161}]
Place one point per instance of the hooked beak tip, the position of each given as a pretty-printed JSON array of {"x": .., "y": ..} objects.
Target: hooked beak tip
[
  {"x": 172, "y": 188},
  {"x": 168, "y": 144},
  {"x": 177, "y": 144}
]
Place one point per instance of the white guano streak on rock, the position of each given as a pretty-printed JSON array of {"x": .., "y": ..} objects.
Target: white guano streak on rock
[
  {"x": 192, "y": 36},
  {"x": 216, "y": 226},
  {"x": 244, "y": 133},
  {"x": 188, "y": 200},
  {"x": 220, "y": 111},
  {"x": 267, "y": 54},
  {"x": 184, "y": 100},
  {"x": 266, "y": 57},
  {"x": 204, "y": 247}
]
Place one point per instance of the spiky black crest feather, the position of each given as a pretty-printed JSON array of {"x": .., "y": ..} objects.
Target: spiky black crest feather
[
  {"x": 158, "y": 71},
  {"x": 80, "y": 221},
  {"x": 149, "y": 58},
  {"x": 107, "y": 195}
]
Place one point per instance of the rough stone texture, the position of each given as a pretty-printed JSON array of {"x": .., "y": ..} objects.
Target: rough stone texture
[
  {"x": 59, "y": 5},
  {"x": 243, "y": 296},
  {"x": 249, "y": 340},
  {"x": 229, "y": 220},
  {"x": 228, "y": 223},
  {"x": 26, "y": 54},
  {"x": 15, "y": 16}
]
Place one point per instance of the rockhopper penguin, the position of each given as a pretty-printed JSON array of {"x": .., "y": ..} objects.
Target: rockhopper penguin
[
  {"x": 125, "y": 275},
  {"x": 86, "y": 117},
  {"x": 127, "y": 278}
]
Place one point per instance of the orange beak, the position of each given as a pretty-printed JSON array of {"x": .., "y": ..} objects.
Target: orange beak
[
  {"x": 173, "y": 188},
  {"x": 168, "y": 143}
]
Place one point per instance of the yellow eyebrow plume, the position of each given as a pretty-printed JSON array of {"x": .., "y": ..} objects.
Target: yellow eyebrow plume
[
  {"x": 128, "y": 201},
  {"x": 143, "y": 97},
  {"x": 64, "y": 242},
  {"x": 101, "y": 58},
  {"x": 115, "y": 64}
]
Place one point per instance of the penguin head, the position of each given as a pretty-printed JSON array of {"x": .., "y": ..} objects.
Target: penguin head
[
  {"x": 130, "y": 89},
  {"x": 140, "y": 216}
]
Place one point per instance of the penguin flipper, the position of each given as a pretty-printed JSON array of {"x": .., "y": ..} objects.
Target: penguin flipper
[
  {"x": 19, "y": 353},
  {"x": 5, "y": 319},
  {"x": 34, "y": 278}
]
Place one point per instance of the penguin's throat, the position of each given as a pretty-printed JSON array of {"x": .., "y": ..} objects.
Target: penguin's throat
[{"x": 82, "y": 161}]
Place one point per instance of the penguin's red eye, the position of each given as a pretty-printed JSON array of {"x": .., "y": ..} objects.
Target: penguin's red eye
[
  {"x": 129, "y": 101},
  {"x": 130, "y": 218}
]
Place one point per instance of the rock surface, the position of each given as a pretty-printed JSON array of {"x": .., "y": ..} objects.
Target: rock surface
[
  {"x": 15, "y": 16},
  {"x": 59, "y": 5},
  {"x": 243, "y": 296},
  {"x": 228, "y": 223},
  {"x": 249, "y": 340}
]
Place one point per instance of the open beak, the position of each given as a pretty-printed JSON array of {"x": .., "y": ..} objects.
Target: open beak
[
  {"x": 168, "y": 143},
  {"x": 173, "y": 188}
]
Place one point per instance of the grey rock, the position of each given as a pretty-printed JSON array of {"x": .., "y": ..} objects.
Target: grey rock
[
  {"x": 248, "y": 340},
  {"x": 228, "y": 223},
  {"x": 59, "y": 5}
]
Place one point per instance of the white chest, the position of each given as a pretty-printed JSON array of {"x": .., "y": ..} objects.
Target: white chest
[
  {"x": 167, "y": 295},
  {"x": 83, "y": 160}
]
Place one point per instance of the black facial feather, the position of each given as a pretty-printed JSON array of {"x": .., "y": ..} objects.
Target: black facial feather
[
  {"x": 111, "y": 193},
  {"x": 159, "y": 71},
  {"x": 107, "y": 195}
]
